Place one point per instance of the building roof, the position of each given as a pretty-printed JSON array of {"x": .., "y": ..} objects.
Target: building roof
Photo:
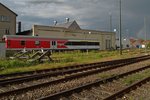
[
  {"x": 69, "y": 25},
  {"x": 27, "y": 32},
  {"x": 8, "y": 9}
]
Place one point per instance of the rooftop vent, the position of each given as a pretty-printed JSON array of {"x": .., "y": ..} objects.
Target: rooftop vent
[
  {"x": 55, "y": 22},
  {"x": 67, "y": 20}
]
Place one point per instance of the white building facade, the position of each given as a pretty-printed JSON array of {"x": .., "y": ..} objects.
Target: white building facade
[{"x": 71, "y": 30}]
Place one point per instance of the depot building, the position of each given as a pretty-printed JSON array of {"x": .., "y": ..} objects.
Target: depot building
[{"x": 71, "y": 30}]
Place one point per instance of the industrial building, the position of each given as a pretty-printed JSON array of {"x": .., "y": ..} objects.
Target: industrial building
[
  {"x": 66, "y": 30},
  {"x": 71, "y": 30},
  {"x": 7, "y": 21}
]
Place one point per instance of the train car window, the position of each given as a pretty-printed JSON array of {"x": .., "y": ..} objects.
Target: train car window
[
  {"x": 82, "y": 43},
  {"x": 89, "y": 43},
  {"x": 68, "y": 43},
  {"x": 75, "y": 43},
  {"x": 94, "y": 43},
  {"x": 53, "y": 43},
  {"x": 37, "y": 42},
  {"x": 97, "y": 43},
  {"x": 22, "y": 42}
]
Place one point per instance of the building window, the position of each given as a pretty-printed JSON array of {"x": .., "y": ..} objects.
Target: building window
[
  {"x": 4, "y": 18},
  {"x": 22, "y": 43},
  {"x": 7, "y": 31}
]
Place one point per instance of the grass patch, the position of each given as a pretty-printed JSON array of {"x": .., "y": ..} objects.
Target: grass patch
[
  {"x": 62, "y": 59},
  {"x": 105, "y": 75},
  {"x": 136, "y": 77},
  {"x": 5, "y": 64}
]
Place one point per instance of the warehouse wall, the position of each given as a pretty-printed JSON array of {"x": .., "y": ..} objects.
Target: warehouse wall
[{"x": 105, "y": 38}]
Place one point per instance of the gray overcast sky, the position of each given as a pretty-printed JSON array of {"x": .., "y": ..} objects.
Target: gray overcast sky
[{"x": 89, "y": 14}]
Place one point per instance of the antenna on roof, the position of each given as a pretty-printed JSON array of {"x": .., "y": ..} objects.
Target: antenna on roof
[
  {"x": 55, "y": 22},
  {"x": 67, "y": 20}
]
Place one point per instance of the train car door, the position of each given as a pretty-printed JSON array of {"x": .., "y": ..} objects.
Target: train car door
[{"x": 53, "y": 44}]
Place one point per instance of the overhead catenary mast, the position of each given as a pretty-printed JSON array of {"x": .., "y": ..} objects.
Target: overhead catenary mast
[
  {"x": 120, "y": 29},
  {"x": 145, "y": 30}
]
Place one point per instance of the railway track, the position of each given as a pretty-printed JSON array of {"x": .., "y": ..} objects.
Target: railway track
[
  {"x": 63, "y": 69},
  {"x": 100, "y": 89},
  {"x": 98, "y": 67},
  {"x": 142, "y": 86},
  {"x": 102, "y": 67},
  {"x": 139, "y": 90},
  {"x": 63, "y": 77}
]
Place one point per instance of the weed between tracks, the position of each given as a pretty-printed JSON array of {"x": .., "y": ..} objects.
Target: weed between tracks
[
  {"x": 64, "y": 59},
  {"x": 105, "y": 75},
  {"x": 136, "y": 77}
]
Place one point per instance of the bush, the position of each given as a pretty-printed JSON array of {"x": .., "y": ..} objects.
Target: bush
[{"x": 12, "y": 63}]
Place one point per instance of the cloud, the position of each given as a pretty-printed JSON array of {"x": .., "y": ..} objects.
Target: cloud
[
  {"x": 45, "y": 1},
  {"x": 91, "y": 14}
]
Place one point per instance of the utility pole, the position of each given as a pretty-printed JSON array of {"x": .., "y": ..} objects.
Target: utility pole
[
  {"x": 110, "y": 21},
  {"x": 145, "y": 35},
  {"x": 120, "y": 29}
]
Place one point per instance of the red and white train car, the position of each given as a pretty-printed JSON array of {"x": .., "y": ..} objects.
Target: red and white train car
[{"x": 16, "y": 42}]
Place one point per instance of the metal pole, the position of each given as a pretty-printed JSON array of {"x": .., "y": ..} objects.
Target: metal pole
[
  {"x": 86, "y": 46},
  {"x": 120, "y": 28},
  {"x": 145, "y": 35},
  {"x": 110, "y": 15}
]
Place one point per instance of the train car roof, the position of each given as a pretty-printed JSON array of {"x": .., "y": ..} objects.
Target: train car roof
[{"x": 39, "y": 37}]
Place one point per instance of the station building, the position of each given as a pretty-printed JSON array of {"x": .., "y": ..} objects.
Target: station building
[
  {"x": 7, "y": 21},
  {"x": 71, "y": 30}
]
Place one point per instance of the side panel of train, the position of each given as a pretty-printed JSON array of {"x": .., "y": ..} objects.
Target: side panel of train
[
  {"x": 35, "y": 44},
  {"x": 27, "y": 44},
  {"x": 18, "y": 43}
]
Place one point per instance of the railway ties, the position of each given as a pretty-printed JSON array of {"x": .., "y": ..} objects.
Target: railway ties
[
  {"x": 39, "y": 56},
  {"x": 105, "y": 89},
  {"x": 94, "y": 67},
  {"x": 24, "y": 54},
  {"x": 74, "y": 76},
  {"x": 140, "y": 92},
  {"x": 42, "y": 56}
]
